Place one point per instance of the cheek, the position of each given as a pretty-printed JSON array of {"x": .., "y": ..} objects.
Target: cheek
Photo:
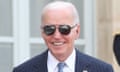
[
  {"x": 76, "y": 34},
  {"x": 73, "y": 35},
  {"x": 46, "y": 39},
  {"x": 70, "y": 38}
]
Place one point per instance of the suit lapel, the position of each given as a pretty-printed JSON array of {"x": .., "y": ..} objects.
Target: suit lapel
[
  {"x": 81, "y": 62},
  {"x": 41, "y": 66},
  {"x": 80, "y": 65}
]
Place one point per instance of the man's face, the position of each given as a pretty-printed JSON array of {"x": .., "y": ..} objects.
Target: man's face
[{"x": 60, "y": 44}]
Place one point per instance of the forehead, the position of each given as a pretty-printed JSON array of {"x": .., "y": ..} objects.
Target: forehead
[{"x": 56, "y": 16}]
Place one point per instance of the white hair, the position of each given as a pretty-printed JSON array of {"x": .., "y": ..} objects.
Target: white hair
[{"x": 63, "y": 4}]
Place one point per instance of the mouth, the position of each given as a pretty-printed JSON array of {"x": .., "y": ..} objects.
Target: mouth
[{"x": 57, "y": 43}]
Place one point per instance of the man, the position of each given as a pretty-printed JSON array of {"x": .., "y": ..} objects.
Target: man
[
  {"x": 116, "y": 47},
  {"x": 60, "y": 28}
]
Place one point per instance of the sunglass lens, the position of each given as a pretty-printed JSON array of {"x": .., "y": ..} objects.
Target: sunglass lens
[
  {"x": 64, "y": 29},
  {"x": 49, "y": 30}
]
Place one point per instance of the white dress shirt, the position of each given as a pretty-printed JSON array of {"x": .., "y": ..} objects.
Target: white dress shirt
[{"x": 70, "y": 63}]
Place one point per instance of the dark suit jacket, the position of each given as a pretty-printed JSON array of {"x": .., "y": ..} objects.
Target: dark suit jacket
[
  {"x": 116, "y": 47},
  {"x": 83, "y": 62}
]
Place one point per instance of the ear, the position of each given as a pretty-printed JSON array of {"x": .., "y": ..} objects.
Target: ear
[{"x": 77, "y": 31}]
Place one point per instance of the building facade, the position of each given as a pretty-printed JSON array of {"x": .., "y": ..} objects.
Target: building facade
[{"x": 20, "y": 37}]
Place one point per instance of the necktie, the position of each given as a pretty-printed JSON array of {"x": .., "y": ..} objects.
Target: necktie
[{"x": 61, "y": 66}]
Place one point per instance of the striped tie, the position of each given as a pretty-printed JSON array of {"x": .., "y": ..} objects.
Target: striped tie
[{"x": 61, "y": 66}]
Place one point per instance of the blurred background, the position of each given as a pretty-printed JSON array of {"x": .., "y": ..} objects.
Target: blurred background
[{"x": 20, "y": 37}]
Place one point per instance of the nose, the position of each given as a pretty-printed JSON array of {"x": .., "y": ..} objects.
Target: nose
[{"x": 57, "y": 34}]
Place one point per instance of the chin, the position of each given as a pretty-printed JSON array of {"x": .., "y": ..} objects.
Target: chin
[{"x": 59, "y": 52}]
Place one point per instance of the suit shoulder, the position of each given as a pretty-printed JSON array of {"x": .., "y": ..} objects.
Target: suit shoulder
[
  {"x": 93, "y": 61},
  {"x": 32, "y": 63}
]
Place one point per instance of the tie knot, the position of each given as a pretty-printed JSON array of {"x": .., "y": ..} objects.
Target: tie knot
[{"x": 61, "y": 66}]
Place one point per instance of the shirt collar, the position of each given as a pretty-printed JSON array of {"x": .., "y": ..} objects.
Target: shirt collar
[
  {"x": 52, "y": 61},
  {"x": 70, "y": 61}
]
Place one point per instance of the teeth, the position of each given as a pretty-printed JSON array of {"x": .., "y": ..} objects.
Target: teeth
[{"x": 58, "y": 43}]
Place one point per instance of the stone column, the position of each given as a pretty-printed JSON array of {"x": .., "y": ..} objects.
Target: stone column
[
  {"x": 108, "y": 24},
  {"x": 116, "y": 26},
  {"x": 104, "y": 30}
]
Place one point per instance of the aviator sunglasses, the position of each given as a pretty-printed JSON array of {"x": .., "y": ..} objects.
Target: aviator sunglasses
[{"x": 63, "y": 29}]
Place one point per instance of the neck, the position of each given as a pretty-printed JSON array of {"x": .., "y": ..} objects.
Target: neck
[{"x": 62, "y": 57}]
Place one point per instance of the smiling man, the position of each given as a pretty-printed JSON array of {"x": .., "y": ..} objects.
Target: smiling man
[{"x": 60, "y": 28}]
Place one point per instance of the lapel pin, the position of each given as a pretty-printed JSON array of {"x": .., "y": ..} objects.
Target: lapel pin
[{"x": 85, "y": 71}]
